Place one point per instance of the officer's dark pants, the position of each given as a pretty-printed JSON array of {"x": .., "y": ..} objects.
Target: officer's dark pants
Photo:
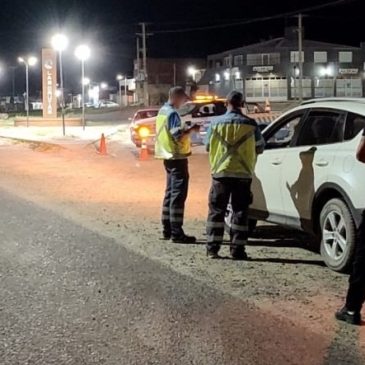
[
  {"x": 356, "y": 292},
  {"x": 222, "y": 190},
  {"x": 175, "y": 196}
]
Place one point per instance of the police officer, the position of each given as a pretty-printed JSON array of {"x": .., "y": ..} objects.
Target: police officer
[
  {"x": 351, "y": 312},
  {"x": 233, "y": 142},
  {"x": 173, "y": 146}
]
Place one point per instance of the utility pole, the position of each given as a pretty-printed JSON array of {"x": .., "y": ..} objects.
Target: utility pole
[
  {"x": 300, "y": 60},
  {"x": 13, "y": 68},
  {"x": 144, "y": 36},
  {"x": 145, "y": 74},
  {"x": 138, "y": 78}
]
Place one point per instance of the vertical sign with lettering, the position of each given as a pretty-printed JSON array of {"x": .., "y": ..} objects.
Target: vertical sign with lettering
[{"x": 49, "y": 80}]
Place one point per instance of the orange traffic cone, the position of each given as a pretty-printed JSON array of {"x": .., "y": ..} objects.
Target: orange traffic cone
[
  {"x": 143, "y": 153},
  {"x": 267, "y": 106},
  {"x": 102, "y": 148}
]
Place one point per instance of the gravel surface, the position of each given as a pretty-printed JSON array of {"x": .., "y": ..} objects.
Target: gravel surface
[{"x": 284, "y": 296}]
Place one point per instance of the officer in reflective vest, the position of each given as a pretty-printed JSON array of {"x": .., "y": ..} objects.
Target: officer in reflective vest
[
  {"x": 233, "y": 142},
  {"x": 173, "y": 146}
]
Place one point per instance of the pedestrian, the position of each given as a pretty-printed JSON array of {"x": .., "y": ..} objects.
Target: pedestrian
[
  {"x": 351, "y": 312},
  {"x": 173, "y": 146},
  {"x": 233, "y": 142}
]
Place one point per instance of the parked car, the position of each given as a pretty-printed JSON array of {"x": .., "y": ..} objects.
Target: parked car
[
  {"x": 308, "y": 178},
  {"x": 107, "y": 104},
  {"x": 199, "y": 111},
  {"x": 146, "y": 115}
]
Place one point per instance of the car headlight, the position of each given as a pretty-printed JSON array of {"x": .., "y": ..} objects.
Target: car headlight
[{"x": 144, "y": 132}]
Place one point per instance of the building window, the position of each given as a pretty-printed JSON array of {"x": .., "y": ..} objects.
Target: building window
[
  {"x": 274, "y": 59},
  {"x": 238, "y": 60},
  {"x": 320, "y": 57},
  {"x": 294, "y": 56},
  {"x": 263, "y": 59},
  {"x": 254, "y": 59},
  {"x": 345, "y": 57},
  {"x": 218, "y": 64},
  {"x": 217, "y": 77},
  {"x": 228, "y": 61}
]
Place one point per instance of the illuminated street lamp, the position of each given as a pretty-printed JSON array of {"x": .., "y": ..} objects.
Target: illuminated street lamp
[
  {"x": 120, "y": 78},
  {"x": 86, "y": 81},
  {"x": 192, "y": 71},
  {"x": 59, "y": 43},
  {"x": 30, "y": 62},
  {"x": 83, "y": 54},
  {"x": 104, "y": 85}
]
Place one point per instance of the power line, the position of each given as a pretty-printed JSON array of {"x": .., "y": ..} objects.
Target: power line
[{"x": 256, "y": 20}]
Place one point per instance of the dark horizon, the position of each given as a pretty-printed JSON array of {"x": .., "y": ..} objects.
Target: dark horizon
[{"x": 110, "y": 29}]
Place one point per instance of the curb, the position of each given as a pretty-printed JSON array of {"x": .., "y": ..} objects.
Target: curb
[{"x": 31, "y": 141}]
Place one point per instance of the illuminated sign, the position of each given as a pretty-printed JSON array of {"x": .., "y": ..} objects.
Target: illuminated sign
[
  {"x": 49, "y": 78},
  {"x": 348, "y": 71},
  {"x": 263, "y": 68}
]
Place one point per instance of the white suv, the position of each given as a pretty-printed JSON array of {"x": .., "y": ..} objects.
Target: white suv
[{"x": 308, "y": 177}]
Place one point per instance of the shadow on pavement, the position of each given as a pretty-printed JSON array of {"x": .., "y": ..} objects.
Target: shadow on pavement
[{"x": 289, "y": 261}]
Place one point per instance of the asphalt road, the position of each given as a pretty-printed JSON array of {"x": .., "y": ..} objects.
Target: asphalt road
[{"x": 72, "y": 296}]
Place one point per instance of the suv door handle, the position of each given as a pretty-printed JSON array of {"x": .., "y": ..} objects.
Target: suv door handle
[
  {"x": 276, "y": 162},
  {"x": 322, "y": 163}
]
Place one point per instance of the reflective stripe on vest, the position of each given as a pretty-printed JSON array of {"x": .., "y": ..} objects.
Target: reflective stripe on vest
[
  {"x": 233, "y": 159},
  {"x": 167, "y": 147}
]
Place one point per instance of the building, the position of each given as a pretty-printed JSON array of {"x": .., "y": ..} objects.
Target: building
[
  {"x": 165, "y": 73},
  {"x": 270, "y": 69}
]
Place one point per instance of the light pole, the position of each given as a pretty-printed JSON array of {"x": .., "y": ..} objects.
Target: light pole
[
  {"x": 83, "y": 54},
  {"x": 120, "y": 78},
  {"x": 192, "y": 71},
  {"x": 31, "y": 61},
  {"x": 59, "y": 43}
]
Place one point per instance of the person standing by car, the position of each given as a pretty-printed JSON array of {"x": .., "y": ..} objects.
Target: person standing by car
[
  {"x": 173, "y": 146},
  {"x": 351, "y": 312},
  {"x": 233, "y": 142}
]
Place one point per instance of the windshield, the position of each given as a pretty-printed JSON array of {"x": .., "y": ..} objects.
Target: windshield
[
  {"x": 202, "y": 110},
  {"x": 144, "y": 114}
]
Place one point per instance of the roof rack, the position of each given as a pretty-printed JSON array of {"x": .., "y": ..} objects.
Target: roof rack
[{"x": 334, "y": 99}]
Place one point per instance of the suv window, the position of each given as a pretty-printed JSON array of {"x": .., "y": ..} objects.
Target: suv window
[
  {"x": 284, "y": 131},
  {"x": 354, "y": 125},
  {"x": 322, "y": 127}
]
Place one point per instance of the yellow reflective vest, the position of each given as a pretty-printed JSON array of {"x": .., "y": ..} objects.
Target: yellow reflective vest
[
  {"x": 232, "y": 146},
  {"x": 166, "y": 146}
]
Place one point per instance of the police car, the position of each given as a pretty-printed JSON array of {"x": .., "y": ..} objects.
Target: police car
[{"x": 199, "y": 111}]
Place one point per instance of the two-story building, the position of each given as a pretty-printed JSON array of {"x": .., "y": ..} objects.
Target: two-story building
[{"x": 270, "y": 69}]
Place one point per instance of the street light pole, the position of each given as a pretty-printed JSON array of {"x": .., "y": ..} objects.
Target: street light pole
[
  {"x": 83, "y": 53},
  {"x": 27, "y": 90},
  {"x": 300, "y": 50},
  {"x": 125, "y": 90},
  {"x": 31, "y": 61},
  {"x": 62, "y": 94},
  {"x": 83, "y": 94},
  {"x": 60, "y": 43}
]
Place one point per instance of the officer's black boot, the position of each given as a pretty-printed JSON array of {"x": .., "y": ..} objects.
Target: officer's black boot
[
  {"x": 347, "y": 316},
  {"x": 238, "y": 252},
  {"x": 212, "y": 251},
  {"x": 184, "y": 239}
]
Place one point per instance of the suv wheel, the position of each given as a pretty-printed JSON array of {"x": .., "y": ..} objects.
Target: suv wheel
[{"x": 338, "y": 234}]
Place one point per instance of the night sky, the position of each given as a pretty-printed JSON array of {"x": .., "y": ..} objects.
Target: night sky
[{"x": 109, "y": 26}]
